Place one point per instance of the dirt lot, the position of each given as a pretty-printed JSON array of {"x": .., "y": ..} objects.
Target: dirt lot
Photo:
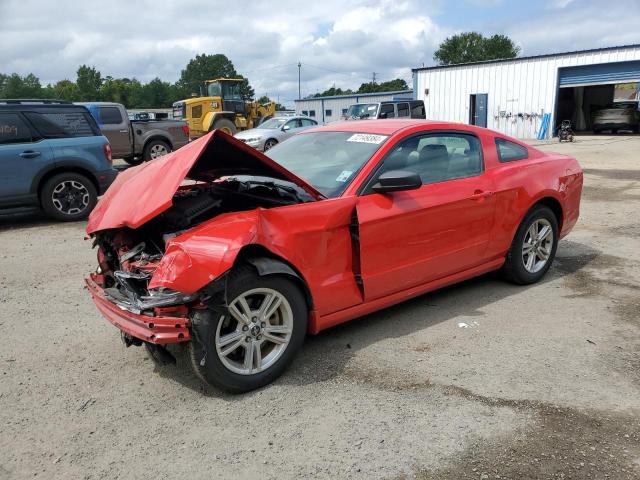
[{"x": 543, "y": 382}]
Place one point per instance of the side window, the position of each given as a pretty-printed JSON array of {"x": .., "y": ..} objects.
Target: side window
[
  {"x": 110, "y": 115},
  {"x": 13, "y": 129},
  {"x": 403, "y": 110},
  {"x": 61, "y": 125},
  {"x": 437, "y": 157},
  {"x": 308, "y": 123},
  {"x": 417, "y": 110},
  {"x": 509, "y": 151},
  {"x": 386, "y": 111},
  {"x": 327, "y": 113}
]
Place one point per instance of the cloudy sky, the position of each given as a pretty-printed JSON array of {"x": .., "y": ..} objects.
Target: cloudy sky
[{"x": 339, "y": 42}]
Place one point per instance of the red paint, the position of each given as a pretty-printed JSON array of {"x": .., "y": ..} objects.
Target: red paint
[
  {"x": 411, "y": 242},
  {"x": 159, "y": 329}
]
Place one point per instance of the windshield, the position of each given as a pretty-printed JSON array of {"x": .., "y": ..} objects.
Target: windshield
[
  {"x": 327, "y": 160},
  {"x": 273, "y": 123},
  {"x": 213, "y": 90},
  {"x": 363, "y": 110}
]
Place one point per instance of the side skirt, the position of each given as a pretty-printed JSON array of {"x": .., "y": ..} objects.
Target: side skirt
[{"x": 398, "y": 297}]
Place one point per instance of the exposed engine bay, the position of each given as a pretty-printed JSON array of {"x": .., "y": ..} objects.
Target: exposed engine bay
[{"x": 128, "y": 257}]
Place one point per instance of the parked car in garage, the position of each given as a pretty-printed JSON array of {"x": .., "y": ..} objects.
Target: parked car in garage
[
  {"x": 386, "y": 109},
  {"x": 137, "y": 141},
  {"x": 52, "y": 156},
  {"x": 256, "y": 251},
  {"x": 616, "y": 117},
  {"x": 275, "y": 130}
]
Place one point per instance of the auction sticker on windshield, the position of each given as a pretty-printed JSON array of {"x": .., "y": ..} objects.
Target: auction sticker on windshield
[{"x": 367, "y": 138}]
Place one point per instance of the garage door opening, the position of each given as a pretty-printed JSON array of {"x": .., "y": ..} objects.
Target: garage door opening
[{"x": 600, "y": 98}]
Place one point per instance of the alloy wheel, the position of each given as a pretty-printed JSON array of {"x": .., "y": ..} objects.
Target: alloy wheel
[
  {"x": 256, "y": 333},
  {"x": 158, "y": 150},
  {"x": 70, "y": 197},
  {"x": 537, "y": 246}
]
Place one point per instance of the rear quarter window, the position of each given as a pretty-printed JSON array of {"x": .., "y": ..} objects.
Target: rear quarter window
[
  {"x": 13, "y": 129},
  {"x": 510, "y": 151},
  {"x": 110, "y": 115},
  {"x": 62, "y": 124}
]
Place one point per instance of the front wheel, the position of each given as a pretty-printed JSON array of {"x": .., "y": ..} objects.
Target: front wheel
[
  {"x": 252, "y": 341},
  {"x": 226, "y": 125},
  {"x": 533, "y": 248},
  {"x": 272, "y": 142}
]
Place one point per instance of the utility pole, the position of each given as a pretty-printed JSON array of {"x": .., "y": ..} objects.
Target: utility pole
[
  {"x": 374, "y": 78},
  {"x": 299, "y": 65}
]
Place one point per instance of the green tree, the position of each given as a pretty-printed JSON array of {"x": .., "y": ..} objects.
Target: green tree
[
  {"x": 207, "y": 67},
  {"x": 64, "y": 90},
  {"x": 389, "y": 86},
  {"x": 333, "y": 91},
  {"x": 15, "y": 86},
  {"x": 89, "y": 81},
  {"x": 204, "y": 67},
  {"x": 475, "y": 47}
]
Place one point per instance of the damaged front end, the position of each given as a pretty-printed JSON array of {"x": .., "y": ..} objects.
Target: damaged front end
[{"x": 154, "y": 271}]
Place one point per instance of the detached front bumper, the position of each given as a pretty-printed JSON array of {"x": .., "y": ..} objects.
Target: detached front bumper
[{"x": 152, "y": 329}]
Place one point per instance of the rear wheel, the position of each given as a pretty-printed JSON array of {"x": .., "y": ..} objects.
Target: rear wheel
[
  {"x": 226, "y": 125},
  {"x": 533, "y": 248},
  {"x": 250, "y": 343},
  {"x": 133, "y": 160},
  {"x": 68, "y": 196},
  {"x": 155, "y": 149}
]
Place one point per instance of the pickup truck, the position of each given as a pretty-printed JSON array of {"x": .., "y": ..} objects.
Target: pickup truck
[{"x": 137, "y": 141}]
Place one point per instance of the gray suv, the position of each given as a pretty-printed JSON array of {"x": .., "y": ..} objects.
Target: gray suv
[{"x": 52, "y": 156}]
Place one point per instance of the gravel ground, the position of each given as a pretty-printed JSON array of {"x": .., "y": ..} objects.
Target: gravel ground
[{"x": 542, "y": 383}]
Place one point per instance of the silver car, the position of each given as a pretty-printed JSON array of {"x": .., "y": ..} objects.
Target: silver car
[
  {"x": 617, "y": 116},
  {"x": 273, "y": 131}
]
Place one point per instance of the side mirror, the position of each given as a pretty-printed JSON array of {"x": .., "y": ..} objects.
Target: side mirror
[
  {"x": 396, "y": 181},
  {"x": 286, "y": 127}
]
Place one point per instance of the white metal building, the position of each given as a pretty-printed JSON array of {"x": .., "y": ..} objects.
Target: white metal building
[
  {"x": 512, "y": 95},
  {"x": 330, "y": 109}
]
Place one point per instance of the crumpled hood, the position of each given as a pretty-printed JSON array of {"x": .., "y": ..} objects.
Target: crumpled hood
[{"x": 141, "y": 193}]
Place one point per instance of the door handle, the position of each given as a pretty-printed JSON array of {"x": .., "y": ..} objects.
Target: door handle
[
  {"x": 124, "y": 131},
  {"x": 480, "y": 194},
  {"x": 30, "y": 154}
]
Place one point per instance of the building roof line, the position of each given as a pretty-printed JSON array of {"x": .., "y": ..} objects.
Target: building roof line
[
  {"x": 353, "y": 95},
  {"x": 530, "y": 57}
]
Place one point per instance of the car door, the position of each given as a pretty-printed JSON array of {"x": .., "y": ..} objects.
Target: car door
[
  {"x": 413, "y": 237},
  {"x": 115, "y": 126},
  {"x": 291, "y": 128},
  {"x": 307, "y": 123},
  {"x": 23, "y": 154}
]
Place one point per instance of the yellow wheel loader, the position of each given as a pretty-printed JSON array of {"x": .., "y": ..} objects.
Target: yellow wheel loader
[{"x": 222, "y": 108}]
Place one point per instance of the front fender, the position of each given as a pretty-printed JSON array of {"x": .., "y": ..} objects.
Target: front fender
[{"x": 196, "y": 258}]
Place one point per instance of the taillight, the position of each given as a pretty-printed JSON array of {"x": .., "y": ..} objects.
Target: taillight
[
  {"x": 185, "y": 129},
  {"x": 107, "y": 153}
]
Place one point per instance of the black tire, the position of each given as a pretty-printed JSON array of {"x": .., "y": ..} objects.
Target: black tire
[
  {"x": 205, "y": 359},
  {"x": 636, "y": 129},
  {"x": 514, "y": 269},
  {"x": 155, "y": 149},
  {"x": 270, "y": 143},
  {"x": 225, "y": 124},
  {"x": 133, "y": 160},
  {"x": 69, "y": 192},
  {"x": 597, "y": 131}
]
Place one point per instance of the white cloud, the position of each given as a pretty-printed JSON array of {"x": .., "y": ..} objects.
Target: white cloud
[{"x": 337, "y": 41}]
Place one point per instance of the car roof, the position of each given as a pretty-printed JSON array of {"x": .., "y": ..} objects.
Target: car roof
[
  {"x": 382, "y": 127},
  {"x": 41, "y": 106}
]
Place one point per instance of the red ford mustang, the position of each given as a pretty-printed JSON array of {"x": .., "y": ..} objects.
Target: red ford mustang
[{"x": 239, "y": 255}]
